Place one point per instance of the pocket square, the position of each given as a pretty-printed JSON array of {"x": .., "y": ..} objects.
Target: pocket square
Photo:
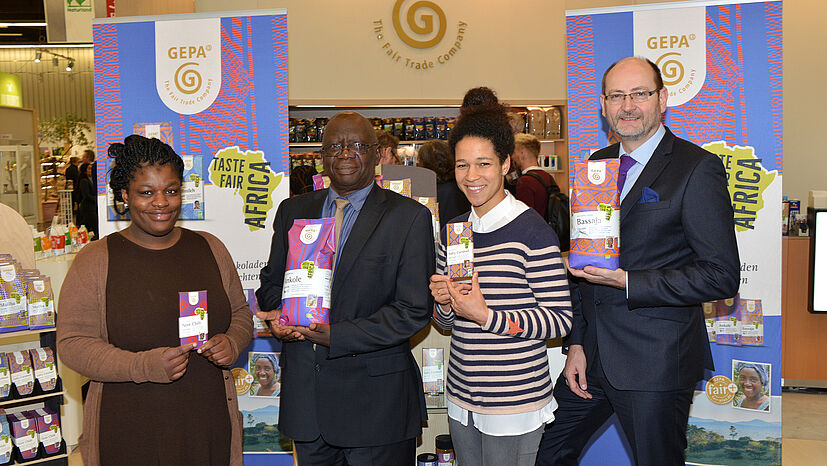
[{"x": 649, "y": 195}]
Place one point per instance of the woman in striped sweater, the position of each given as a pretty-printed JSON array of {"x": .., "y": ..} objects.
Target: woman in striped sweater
[{"x": 498, "y": 390}]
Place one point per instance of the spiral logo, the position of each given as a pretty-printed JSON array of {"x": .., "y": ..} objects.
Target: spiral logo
[
  {"x": 419, "y": 22},
  {"x": 187, "y": 80},
  {"x": 671, "y": 69}
]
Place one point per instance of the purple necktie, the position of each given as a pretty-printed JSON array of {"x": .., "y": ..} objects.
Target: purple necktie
[{"x": 626, "y": 162}]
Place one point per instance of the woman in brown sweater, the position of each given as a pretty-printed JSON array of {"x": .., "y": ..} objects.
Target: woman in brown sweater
[{"x": 152, "y": 400}]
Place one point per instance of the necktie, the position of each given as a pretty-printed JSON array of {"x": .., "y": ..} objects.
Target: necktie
[
  {"x": 626, "y": 163},
  {"x": 337, "y": 229}
]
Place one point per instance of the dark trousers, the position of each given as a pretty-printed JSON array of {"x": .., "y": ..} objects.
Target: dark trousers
[
  {"x": 654, "y": 422},
  {"x": 320, "y": 453}
]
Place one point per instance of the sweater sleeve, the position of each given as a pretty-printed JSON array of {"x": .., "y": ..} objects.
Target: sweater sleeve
[
  {"x": 81, "y": 326},
  {"x": 240, "y": 331},
  {"x": 550, "y": 315}
]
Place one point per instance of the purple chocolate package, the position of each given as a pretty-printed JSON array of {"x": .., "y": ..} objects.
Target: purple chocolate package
[
  {"x": 192, "y": 317},
  {"x": 308, "y": 275}
]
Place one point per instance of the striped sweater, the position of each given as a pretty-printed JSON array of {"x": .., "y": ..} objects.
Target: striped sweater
[{"x": 502, "y": 367}]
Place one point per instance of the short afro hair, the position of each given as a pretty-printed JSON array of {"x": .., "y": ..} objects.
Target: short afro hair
[
  {"x": 137, "y": 151},
  {"x": 484, "y": 117}
]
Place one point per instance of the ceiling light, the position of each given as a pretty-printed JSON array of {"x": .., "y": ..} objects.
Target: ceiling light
[
  {"x": 37, "y": 56},
  {"x": 71, "y": 65}
]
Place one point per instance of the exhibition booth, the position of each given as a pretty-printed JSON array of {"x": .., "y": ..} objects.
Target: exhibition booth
[{"x": 244, "y": 95}]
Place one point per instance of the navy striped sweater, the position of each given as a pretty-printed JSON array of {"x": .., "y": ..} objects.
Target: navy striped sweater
[{"x": 502, "y": 367}]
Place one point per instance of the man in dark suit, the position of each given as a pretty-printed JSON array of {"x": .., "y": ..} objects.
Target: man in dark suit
[
  {"x": 638, "y": 344},
  {"x": 352, "y": 393}
]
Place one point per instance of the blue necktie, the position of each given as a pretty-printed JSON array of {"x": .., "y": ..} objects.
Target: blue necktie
[{"x": 626, "y": 162}]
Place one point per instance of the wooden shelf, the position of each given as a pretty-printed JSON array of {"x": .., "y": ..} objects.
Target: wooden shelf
[
  {"x": 29, "y": 399},
  {"x": 413, "y": 103},
  {"x": 48, "y": 458},
  {"x": 26, "y": 332},
  {"x": 422, "y": 141}
]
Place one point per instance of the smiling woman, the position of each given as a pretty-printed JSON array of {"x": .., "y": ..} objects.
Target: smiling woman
[{"x": 153, "y": 400}]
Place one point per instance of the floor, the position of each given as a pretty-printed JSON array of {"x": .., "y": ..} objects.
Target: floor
[{"x": 804, "y": 429}]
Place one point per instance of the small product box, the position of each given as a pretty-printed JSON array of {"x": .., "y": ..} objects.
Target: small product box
[
  {"x": 22, "y": 375},
  {"x": 5, "y": 376},
  {"x": 792, "y": 218},
  {"x": 41, "y": 307},
  {"x": 261, "y": 327},
  {"x": 13, "y": 300},
  {"x": 459, "y": 257},
  {"x": 48, "y": 429},
  {"x": 23, "y": 428},
  {"x": 192, "y": 317},
  {"x": 433, "y": 377},
  {"x": 45, "y": 370},
  {"x": 5, "y": 441},
  {"x": 402, "y": 186}
]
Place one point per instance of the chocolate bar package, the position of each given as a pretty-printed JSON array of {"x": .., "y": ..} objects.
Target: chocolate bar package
[
  {"x": 13, "y": 300},
  {"x": 459, "y": 256},
  {"x": 260, "y": 326},
  {"x": 710, "y": 315},
  {"x": 23, "y": 427},
  {"x": 752, "y": 322},
  {"x": 40, "y": 303},
  {"x": 402, "y": 186},
  {"x": 22, "y": 375},
  {"x": 48, "y": 429},
  {"x": 45, "y": 369},
  {"x": 305, "y": 296},
  {"x": 595, "y": 214},
  {"x": 193, "y": 319},
  {"x": 433, "y": 376},
  {"x": 5, "y": 376},
  {"x": 728, "y": 321},
  {"x": 5, "y": 441}
]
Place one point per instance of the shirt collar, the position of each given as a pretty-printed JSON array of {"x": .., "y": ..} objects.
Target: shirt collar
[
  {"x": 643, "y": 153},
  {"x": 507, "y": 210},
  {"x": 533, "y": 167},
  {"x": 356, "y": 198}
]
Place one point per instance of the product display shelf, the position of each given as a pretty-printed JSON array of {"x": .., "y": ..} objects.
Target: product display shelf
[
  {"x": 447, "y": 108},
  {"x": 18, "y": 232}
]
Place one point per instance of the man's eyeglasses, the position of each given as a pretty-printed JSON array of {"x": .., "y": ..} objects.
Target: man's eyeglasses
[
  {"x": 355, "y": 148},
  {"x": 637, "y": 96}
]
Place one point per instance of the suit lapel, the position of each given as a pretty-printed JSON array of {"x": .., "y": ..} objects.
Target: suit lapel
[
  {"x": 658, "y": 161},
  {"x": 372, "y": 211}
]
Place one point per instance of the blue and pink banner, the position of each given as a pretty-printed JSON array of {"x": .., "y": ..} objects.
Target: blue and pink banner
[
  {"x": 214, "y": 87},
  {"x": 722, "y": 64}
]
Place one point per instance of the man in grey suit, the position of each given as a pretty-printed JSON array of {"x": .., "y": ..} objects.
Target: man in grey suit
[
  {"x": 638, "y": 344},
  {"x": 351, "y": 390}
]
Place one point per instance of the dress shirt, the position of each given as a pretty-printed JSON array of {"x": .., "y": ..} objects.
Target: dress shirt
[
  {"x": 502, "y": 424},
  {"x": 349, "y": 214},
  {"x": 641, "y": 155}
]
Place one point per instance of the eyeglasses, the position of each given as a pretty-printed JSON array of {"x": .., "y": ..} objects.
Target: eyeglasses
[
  {"x": 357, "y": 149},
  {"x": 637, "y": 96}
]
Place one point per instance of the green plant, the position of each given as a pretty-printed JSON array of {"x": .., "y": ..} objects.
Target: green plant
[{"x": 70, "y": 130}]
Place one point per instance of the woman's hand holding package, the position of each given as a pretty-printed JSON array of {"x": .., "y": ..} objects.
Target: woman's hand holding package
[
  {"x": 175, "y": 360},
  {"x": 439, "y": 289},
  {"x": 218, "y": 350},
  {"x": 470, "y": 305}
]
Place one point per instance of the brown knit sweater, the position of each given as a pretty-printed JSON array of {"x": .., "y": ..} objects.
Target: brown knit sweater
[{"x": 83, "y": 344}]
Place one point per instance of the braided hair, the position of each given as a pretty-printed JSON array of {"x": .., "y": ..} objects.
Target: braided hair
[{"x": 135, "y": 152}]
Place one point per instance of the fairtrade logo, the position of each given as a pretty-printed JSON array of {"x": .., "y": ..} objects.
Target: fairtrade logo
[
  {"x": 243, "y": 380},
  {"x": 671, "y": 68},
  {"x": 413, "y": 23},
  {"x": 721, "y": 390}
]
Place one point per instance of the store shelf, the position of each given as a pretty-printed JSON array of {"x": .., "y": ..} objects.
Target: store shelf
[
  {"x": 26, "y": 332},
  {"x": 29, "y": 399},
  {"x": 47, "y": 459}
]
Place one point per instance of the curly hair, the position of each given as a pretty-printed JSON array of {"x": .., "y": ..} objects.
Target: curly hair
[
  {"x": 486, "y": 118},
  {"x": 435, "y": 155},
  {"x": 137, "y": 151}
]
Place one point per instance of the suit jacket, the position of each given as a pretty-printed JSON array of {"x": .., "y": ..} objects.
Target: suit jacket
[
  {"x": 366, "y": 389},
  {"x": 679, "y": 252}
]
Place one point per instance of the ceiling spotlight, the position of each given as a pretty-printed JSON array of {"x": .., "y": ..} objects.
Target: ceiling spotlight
[
  {"x": 70, "y": 66},
  {"x": 37, "y": 56}
]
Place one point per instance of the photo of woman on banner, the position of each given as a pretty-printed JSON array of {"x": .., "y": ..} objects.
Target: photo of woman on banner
[
  {"x": 753, "y": 380},
  {"x": 267, "y": 374}
]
